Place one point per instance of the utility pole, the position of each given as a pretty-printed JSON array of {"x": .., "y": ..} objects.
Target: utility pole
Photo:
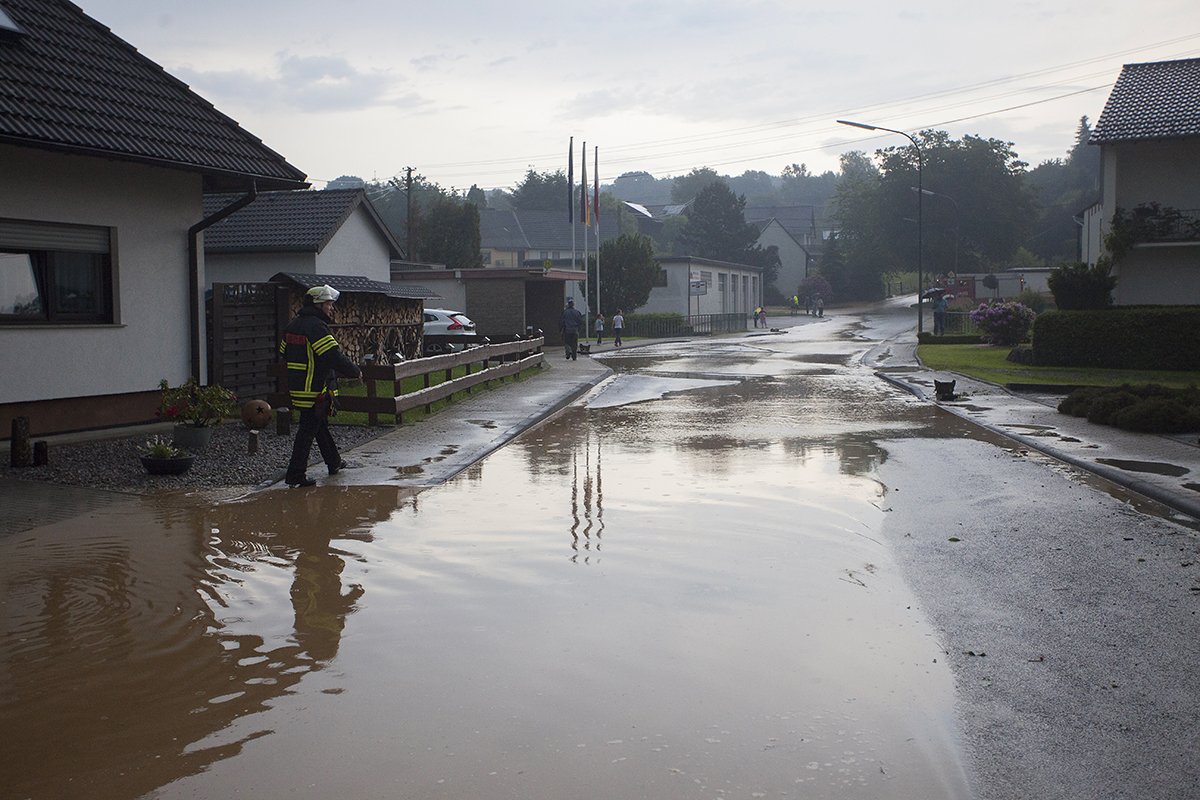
[{"x": 408, "y": 215}]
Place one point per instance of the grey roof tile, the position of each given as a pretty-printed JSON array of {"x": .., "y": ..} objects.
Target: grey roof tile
[
  {"x": 70, "y": 83},
  {"x": 287, "y": 221},
  {"x": 1154, "y": 100},
  {"x": 356, "y": 283},
  {"x": 537, "y": 230}
]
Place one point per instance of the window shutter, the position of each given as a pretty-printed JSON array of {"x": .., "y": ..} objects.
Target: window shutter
[{"x": 17, "y": 234}]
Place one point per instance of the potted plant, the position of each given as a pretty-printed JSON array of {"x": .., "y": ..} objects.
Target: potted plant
[
  {"x": 195, "y": 409},
  {"x": 163, "y": 458}
]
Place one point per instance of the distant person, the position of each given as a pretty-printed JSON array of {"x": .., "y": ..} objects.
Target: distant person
[
  {"x": 939, "y": 316},
  {"x": 757, "y": 311},
  {"x": 762, "y": 316},
  {"x": 820, "y": 306},
  {"x": 569, "y": 323},
  {"x": 618, "y": 326},
  {"x": 795, "y": 305},
  {"x": 807, "y": 305},
  {"x": 599, "y": 328}
]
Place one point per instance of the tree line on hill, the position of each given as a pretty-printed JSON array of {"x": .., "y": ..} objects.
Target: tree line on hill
[{"x": 982, "y": 210}]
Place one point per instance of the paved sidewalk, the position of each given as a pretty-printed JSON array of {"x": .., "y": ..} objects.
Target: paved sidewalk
[
  {"x": 1161, "y": 467},
  {"x": 439, "y": 447}
]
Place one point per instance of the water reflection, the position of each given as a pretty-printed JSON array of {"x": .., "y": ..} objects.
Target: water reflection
[
  {"x": 109, "y": 615},
  {"x": 587, "y": 498}
]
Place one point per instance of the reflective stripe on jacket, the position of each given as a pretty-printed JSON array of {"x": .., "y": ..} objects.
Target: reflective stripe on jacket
[{"x": 313, "y": 357}]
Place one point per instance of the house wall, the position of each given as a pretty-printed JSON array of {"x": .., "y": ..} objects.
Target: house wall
[
  {"x": 151, "y": 210},
  {"x": 497, "y": 307},
  {"x": 1167, "y": 274},
  {"x": 1166, "y": 172},
  {"x": 358, "y": 248},
  {"x": 674, "y": 297},
  {"x": 257, "y": 267},
  {"x": 793, "y": 260}
]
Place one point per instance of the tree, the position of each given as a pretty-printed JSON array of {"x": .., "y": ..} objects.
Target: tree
[
  {"x": 450, "y": 234},
  {"x": 628, "y": 272},
  {"x": 685, "y": 187},
  {"x": 717, "y": 227},
  {"x": 993, "y": 210},
  {"x": 477, "y": 196},
  {"x": 1079, "y": 287},
  {"x": 541, "y": 191}
]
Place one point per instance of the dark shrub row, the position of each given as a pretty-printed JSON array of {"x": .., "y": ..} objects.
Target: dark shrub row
[
  {"x": 1161, "y": 337},
  {"x": 925, "y": 337},
  {"x": 1148, "y": 408}
]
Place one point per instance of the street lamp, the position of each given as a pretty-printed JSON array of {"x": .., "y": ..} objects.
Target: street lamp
[
  {"x": 920, "y": 195},
  {"x": 956, "y": 216}
]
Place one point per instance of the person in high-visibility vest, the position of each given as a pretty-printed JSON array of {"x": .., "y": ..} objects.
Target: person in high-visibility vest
[{"x": 314, "y": 360}]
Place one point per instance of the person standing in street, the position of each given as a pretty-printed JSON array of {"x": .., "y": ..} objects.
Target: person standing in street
[
  {"x": 939, "y": 315},
  {"x": 618, "y": 326},
  {"x": 820, "y": 306},
  {"x": 599, "y": 328},
  {"x": 314, "y": 360},
  {"x": 569, "y": 323}
]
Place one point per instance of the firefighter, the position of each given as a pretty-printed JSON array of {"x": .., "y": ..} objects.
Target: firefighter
[{"x": 314, "y": 361}]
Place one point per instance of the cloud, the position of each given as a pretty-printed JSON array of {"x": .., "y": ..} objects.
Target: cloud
[{"x": 311, "y": 84}]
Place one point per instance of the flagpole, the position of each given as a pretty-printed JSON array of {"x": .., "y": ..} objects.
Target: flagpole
[
  {"x": 583, "y": 217},
  {"x": 596, "y": 211},
  {"x": 571, "y": 197}
]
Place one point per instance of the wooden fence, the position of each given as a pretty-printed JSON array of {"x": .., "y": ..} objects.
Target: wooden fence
[{"x": 493, "y": 362}]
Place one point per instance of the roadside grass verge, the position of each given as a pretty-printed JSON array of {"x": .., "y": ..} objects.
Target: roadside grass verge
[
  {"x": 988, "y": 363},
  {"x": 384, "y": 389}
]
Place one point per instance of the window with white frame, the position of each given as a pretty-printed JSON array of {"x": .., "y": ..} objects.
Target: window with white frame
[{"x": 54, "y": 273}]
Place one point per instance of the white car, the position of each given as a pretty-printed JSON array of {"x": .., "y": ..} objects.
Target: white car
[{"x": 443, "y": 327}]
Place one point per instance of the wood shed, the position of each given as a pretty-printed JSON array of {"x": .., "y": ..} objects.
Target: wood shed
[{"x": 371, "y": 318}]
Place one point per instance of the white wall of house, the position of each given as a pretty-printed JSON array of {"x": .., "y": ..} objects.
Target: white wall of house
[
  {"x": 740, "y": 295},
  {"x": 793, "y": 260},
  {"x": 1165, "y": 172},
  {"x": 452, "y": 290},
  {"x": 258, "y": 267},
  {"x": 358, "y": 248},
  {"x": 151, "y": 210}
]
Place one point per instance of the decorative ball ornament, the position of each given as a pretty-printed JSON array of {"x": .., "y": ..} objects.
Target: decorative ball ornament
[{"x": 256, "y": 414}]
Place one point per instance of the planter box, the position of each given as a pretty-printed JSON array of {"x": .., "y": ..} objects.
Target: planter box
[{"x": 167, "y": 466}]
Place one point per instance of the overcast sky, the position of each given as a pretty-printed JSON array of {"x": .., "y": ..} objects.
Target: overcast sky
[{"x": 470, "y": 92}]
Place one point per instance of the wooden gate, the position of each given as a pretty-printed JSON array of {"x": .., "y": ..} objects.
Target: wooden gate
[{"x": 245, "y": 325}]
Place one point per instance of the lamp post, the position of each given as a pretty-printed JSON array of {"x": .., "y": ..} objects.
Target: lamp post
[
  {"x": 957, "y": 211},
  {"x": 920, "y": 195}
]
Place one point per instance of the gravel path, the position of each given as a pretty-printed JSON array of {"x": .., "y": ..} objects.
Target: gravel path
[{"x": 113, "y": 464}]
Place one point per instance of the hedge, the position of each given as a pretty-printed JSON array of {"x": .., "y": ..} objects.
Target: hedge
[
  {"x": 1158, "y": 337},
  {"x": 925, "y": 337}
]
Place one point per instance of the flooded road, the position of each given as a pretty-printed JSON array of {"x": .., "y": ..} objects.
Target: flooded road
[{"x": 675, "y": 588}]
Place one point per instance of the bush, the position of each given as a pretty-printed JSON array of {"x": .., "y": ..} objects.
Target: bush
[
  {"x": 1080, "y": 287},
  {"x": 1163, "y": 337},
  {"x": 1033, "y": 300},
  {"x": 1148, "y": 408},
  {"x": 1003, "y": 323}
]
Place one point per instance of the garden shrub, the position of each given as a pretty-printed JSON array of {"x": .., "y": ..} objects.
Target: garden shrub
[
  {"x": 1148, "y": 337},
  {"x": 1080, "y": 287},
  {"x": 1148, "y": 408},
  {"x": 1003, "y": 323}
]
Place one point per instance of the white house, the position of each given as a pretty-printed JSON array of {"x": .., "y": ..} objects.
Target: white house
[
  {"x": 330, "y": 232},
  {"x": 691, "y": 286},
  {"x": 793, "y": 231},
  {"x": 106, "y": 159},
  {"x": 1149, "y": 139}
]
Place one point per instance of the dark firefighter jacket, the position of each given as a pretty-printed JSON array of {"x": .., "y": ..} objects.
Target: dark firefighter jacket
[{"x": 312, "y": 356}]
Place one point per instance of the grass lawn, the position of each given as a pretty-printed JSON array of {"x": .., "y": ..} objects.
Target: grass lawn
[
  {"x": 384, "y": 389},
  {"x": 988, "y": 363}
]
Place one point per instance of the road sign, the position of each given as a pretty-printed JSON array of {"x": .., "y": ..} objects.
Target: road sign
[{"x": 698, "y": 288}]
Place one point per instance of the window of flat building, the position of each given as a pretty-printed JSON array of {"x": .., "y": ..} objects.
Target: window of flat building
[
  {"x": 721, "y": 282},
  {"x": 662, "y": 278},
  {"x": 52, "y": 273},
  {"x": 487, "y": 257}
]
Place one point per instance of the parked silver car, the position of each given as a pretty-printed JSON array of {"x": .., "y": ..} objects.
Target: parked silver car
[{"x": 447, "y": 331}]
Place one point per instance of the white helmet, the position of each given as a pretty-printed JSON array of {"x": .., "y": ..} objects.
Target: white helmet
[{"x": 321, "y": 294}]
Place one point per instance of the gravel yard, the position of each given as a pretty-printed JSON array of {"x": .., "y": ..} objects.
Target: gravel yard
[{"x": 113, "y": 463}]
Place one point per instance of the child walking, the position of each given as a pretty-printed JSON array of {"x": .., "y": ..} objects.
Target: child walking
[{"x": 599, "y": 328}]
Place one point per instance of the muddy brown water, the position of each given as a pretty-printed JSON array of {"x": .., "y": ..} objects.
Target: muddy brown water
[{"x": 680, "y": 596}]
